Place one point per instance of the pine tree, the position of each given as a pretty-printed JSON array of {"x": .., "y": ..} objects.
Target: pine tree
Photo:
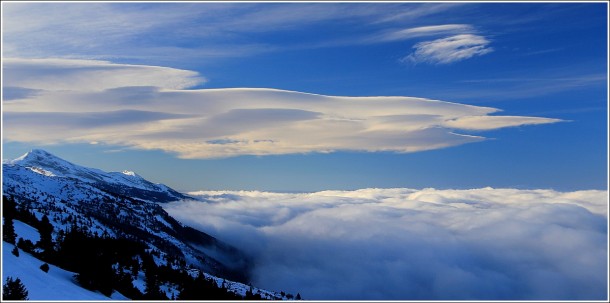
[
  {"x": 45, "y": 229},
  {"x": 152, "y": 290},
  {"x": 9, "y": 208},
  {"x": 15, "y": 251},
  {"x": 8, "y": 231},
  {"x": 13, "y": 289},
  {"x": 8, "y": 212}
]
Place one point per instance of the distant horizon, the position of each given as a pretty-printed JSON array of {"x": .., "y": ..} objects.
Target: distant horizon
[{"x": 287, "y": 191}]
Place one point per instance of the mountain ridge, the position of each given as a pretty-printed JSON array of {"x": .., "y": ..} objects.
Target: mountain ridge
[
  {"x": 118, "y": 205},
  {"x": 125, "y": 183}
]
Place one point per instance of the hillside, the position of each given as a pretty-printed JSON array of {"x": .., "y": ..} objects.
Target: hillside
[{"x": 85, "y": 207}]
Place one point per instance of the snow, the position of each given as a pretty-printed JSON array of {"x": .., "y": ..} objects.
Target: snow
[
  {"x": 57, "y": 284},
  {"x": 26, "y": 232},
  {"x": 42, "y": 171},
  {"x": 241, "y": 289},
  {"x": 170, "y": 290},
  {"x": 161, "y": 220},
  {"x": 140, "y": 282},
  {"x": 129, "y": 173},
  {"x": 47, "y": 164},
  {"x": 117, "y": 296}
]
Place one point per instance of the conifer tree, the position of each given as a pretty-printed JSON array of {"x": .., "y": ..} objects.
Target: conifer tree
[
  {"x": 45, "y": 229},
  {"x": 13, "y": 289},
  {"x": 8, "y": 231},
  {"x": 8, "y": 212},
  {"x": 152, "y": 290},
  {"x": 9, "y": 208}
]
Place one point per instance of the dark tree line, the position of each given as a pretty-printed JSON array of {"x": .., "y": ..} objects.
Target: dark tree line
[{"x": 45, "y": 247}]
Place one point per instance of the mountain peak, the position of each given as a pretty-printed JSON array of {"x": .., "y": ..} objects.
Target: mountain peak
[
  {"x": 42, "y": 158},
  {"x": 41, "y": 152},
  {"x": 34, "y": 154},
  {"x": 125, "y": 182}
]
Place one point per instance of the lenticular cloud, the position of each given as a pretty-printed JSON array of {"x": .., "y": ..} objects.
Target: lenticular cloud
[
  {"x": 404, "y": 244},
  {"x": 150, "y": 107}
]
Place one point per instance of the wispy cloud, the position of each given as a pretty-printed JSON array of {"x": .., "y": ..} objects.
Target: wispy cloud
[
  {"x": 92, "y": 75},
  {"x": 200, "y": 31},
  {"x": 491, "y": 122},
  {"x": 540, "y": 83},
  {"x": 392, "y": 35},
  {"x": 424, "y": 31},
  {"x": 543, "y": 51},
  {"x": 461, "y": 42},
  {"x": 408, "y": 244},
  {"x": 449, "y": 50},
  {"x": 417, "y": 11},
  {"x": 146, "y": 107}
]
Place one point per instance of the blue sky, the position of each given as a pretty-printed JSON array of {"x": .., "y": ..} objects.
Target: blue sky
[{"x": 127, "y": 86}]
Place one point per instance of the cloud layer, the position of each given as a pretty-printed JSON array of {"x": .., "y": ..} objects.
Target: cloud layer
[
  {"x": 405, "y": 244},
  {"x": 148, "y": 107}
]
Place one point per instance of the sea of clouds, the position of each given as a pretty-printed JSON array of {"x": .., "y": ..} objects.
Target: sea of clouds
[{"x": 408, "y": 244}]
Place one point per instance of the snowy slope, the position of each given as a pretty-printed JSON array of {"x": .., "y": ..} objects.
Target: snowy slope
[
  {"x": 26, "y": 232},
  {"x": 57, "y": 284},
  {"x": 241, "y": 289}
]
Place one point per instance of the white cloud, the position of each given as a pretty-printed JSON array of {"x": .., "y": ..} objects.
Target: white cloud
[
  {"x": 407, "y": 244},
  {"x": 491, "y": 122},
  {"x": 461, "y": 42},
  {"x": 92, "y": 75},
  {"x": 145, "y": 107},
  {"x": 423, "y": 31},
  {"x": 449, "y": 50}
]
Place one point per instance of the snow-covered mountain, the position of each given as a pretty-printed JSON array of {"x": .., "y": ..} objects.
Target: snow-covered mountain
[
  {"x": 118, "y": 205},
  {"x": 125, "y": 183}
]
